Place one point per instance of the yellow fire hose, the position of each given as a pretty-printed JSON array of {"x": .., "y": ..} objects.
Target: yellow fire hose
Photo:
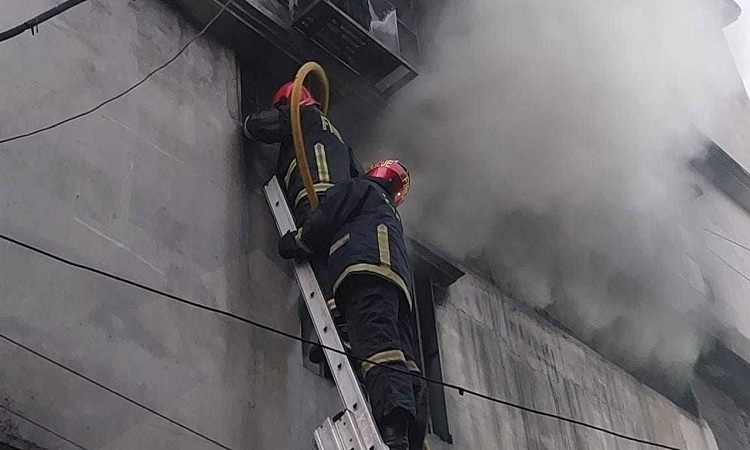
[{"x": 299, "y": 143}]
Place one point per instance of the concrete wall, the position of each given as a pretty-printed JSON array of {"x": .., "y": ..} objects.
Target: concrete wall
[
  {"x": 497, "y": 346},
  {"x": 154, "y": 187},
  {"x": 726, "y": 264}
]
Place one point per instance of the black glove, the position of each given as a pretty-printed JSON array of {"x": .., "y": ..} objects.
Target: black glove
[
  {"x": 269, "y": 126},
  {"x": 288, "y": 248}
]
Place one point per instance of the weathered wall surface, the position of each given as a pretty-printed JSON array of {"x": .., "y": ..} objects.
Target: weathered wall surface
[
  {"x": 154, "y": 187},
  {"x": 726, "y": 264},
  {"x": 498, "y": 347}
]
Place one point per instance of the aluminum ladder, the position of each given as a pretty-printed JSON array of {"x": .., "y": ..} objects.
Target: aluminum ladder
[{"x": 354, "y": 428}]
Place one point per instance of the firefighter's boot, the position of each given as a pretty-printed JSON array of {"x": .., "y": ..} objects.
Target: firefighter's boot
[
  {"x": 395, "y": 431},
  {"x": 395, "y": 437}
]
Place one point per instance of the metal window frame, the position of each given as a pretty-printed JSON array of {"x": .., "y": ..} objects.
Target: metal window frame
[
  {"x": 725, "y": 173},
  {"x": 433, "y": 273},
  {"x": 429, "y": 349}
]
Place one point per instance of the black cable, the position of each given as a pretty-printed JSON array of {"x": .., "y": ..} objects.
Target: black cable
[
  {"x": 724, "y": 260},
  {"x": 461, "y": 390},
  {"x": 33, "y": 23},
  {"x": 123, "y": 93},
  {"x": 112, "y": 391},
  {"x": 726, "y": 238},
  {"x": 729, "y": 264},
  {"x": 39, "y": 425}
]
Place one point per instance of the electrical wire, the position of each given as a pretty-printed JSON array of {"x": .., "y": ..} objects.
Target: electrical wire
[
  {"x": 126, "y": 91},
  {"x": 39, "y": 425},
  {"x": 726, "y": 239},
  {"x": 729, "y": 264},
  {"x": 460, "y": 389},
  {"x": 33, "y": 23},
  {"x": 724, "y": 260},
  {"x": 112, "y": 391}
]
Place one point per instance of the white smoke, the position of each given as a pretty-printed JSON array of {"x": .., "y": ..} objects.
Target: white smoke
[{"x": 548, "y": 142}]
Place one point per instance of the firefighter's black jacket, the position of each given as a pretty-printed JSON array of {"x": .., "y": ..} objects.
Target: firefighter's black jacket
[
  {"x": 331, "y": 161},
  {"x": 358, "y": 226}
]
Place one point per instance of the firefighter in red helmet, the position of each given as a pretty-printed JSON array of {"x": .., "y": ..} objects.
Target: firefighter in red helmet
[
  {"x": 356, "y": 225},
  {"x": 331, "y": 161}
]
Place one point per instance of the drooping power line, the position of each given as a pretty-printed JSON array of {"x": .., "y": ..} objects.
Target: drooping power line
[
  {"x": 126, "y": 91},
  {"x": 732, "y": 241},
  {"x": 112, "y": 391},
  {"x": 460, "y": 389},
  {"x": 39, "y": 425}
]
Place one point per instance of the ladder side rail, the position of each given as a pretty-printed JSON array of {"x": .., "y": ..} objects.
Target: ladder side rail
[{"x": 343, "y": 373}]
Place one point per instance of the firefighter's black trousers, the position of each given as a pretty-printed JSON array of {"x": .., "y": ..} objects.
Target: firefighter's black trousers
[{"x": 381, "y": 329}]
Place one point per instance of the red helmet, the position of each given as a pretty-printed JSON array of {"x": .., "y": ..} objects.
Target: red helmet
[
  {"x": 395, "y": 174},
  {"x": 284, "y": 96}
]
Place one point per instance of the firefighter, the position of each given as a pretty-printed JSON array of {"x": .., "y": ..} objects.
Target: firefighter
[
  {"x": 357, "y": 226},
  {"x": 331, "y": 161}
]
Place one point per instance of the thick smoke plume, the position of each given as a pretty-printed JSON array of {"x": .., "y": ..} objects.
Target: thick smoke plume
[{"x": 549, "y": 143}]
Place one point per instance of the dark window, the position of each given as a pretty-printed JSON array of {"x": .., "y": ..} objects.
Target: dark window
[
  {"x": 725, "y": 173},
  {"x": 425, "y": 293},
  {"x": 432, "y": 275},
  {"x": 722, "y": 389}
]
